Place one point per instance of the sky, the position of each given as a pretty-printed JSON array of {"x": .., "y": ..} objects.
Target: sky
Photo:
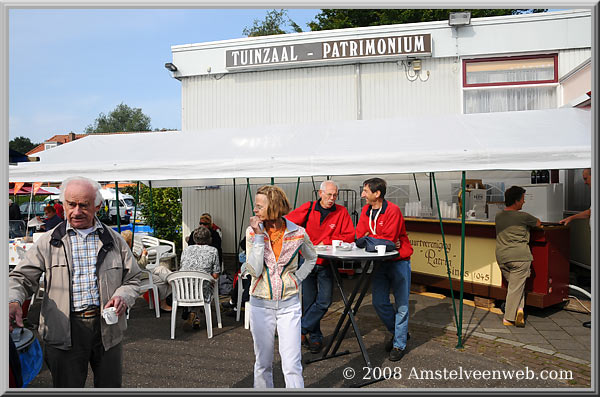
[{"x": 68, "y": 66}]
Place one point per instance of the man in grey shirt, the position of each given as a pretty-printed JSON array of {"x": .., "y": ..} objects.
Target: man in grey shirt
[{"x": 513, "y": 254}]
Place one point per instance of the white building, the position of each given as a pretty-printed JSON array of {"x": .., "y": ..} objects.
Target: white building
[{"x": 495, "y": 64}]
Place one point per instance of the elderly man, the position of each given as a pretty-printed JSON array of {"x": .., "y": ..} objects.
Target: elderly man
[
  {"x": 87, "y": 267},
  {"x": 324, "y": 221}
]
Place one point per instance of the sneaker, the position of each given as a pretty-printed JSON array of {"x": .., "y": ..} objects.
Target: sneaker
[
  {"x": 390, "y": 343},
  {"x": 304, "y": 341},
  {"x": 228, "y": 305},
  {"x": 520, "y": 319},
  {"x": 396, "y": 354},
  {"x": 316, "y": 347}
]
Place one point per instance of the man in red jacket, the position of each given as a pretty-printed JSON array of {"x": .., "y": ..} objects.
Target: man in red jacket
[
  {"x": 383, "y": 220},
  {"x": 324, "y": 221}
]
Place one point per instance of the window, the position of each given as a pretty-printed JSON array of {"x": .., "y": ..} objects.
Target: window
[
  {"x": 510, "y": 71},
  {"x": 510, "y": 84}
]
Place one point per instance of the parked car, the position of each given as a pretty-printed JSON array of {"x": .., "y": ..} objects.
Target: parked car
[
  {"x": 16, "y": 229},
  {"x": 37, "y": 209}
]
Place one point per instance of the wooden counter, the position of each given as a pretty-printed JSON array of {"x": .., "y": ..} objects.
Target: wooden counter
[{"x": 547, "y": 285}]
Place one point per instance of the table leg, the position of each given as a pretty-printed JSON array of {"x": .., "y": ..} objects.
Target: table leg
[{"x": 348, "y": 311}]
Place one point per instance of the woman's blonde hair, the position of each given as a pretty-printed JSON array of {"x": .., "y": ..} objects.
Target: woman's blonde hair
[
  {"x": 279, "y": 204},
  {"x": 128, "y": 236}
]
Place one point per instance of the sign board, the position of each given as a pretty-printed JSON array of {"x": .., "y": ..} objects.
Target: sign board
[
  {"x": 480, "y": 259},
  {"x": 328, "y": 51}
]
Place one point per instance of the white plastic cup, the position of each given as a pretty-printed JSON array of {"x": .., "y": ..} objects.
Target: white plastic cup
[
  {"x": 380, "y": 249},
  {"x": 110, "y": 315},
  {"x": 336, "y": 243}
]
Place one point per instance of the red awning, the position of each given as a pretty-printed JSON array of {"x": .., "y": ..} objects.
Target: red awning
[{"x": 26, "y": 191}]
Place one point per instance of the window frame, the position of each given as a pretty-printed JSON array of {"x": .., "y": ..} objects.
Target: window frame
[{"x": 509, "y": 58}]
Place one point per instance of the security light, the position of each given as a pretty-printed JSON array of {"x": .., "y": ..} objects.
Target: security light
[
  {"x": 459, "y": 18},
  {"x": 170, "y": 67}
]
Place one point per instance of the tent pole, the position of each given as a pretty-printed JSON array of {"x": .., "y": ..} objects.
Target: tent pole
[
  {"x": 29, "y": 209},
  {"x": 118, "y": 206},
  {"x": 250, "y": 194},
  {"x": 137, "y": 200},
  {"x": 152, "y": 209},
  {"x": 437, "y": 200},
  {"x": 416, "y": 187},
  {"x": 430, "y": 193},
  {"x": 244, "y": 212},
  {"x": 462, "y": 260},
  {"x": 272, "y": 181},
  {"x": 297, "y": 188},
  {"x": 314, "y": 187},
  {"x": 235, "y": 237}
]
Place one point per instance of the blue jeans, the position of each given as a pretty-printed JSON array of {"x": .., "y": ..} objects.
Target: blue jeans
[
  {"x": 317, "y": 289},
  {"x": 395, "y": 276}
]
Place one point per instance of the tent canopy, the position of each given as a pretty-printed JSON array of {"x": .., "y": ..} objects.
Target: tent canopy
[{"x": 524, "y": 140}]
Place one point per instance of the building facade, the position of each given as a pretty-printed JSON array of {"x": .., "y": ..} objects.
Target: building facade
[{"x": 495, "y": 64}]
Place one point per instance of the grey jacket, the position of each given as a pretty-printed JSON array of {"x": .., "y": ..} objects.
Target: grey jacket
[{"x": 117, "y": 271}]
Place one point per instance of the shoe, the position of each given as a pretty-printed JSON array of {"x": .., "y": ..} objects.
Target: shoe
[
  {"x": 587, "y": 324},
  {"x": 507, "y": 323},
  {"x": 304, "y": 341},
  {"x": 315, "y": 347},
  {"x": 396, "y": 354},
  {"x": 228, "y": 305},
  {"x": 520, "y": 319},
  {"x": 189, "y": 322},
  {"x": 390, "y": 343},
  {"x": 196, "y": 324},
  {"x": 166, "y": 309}
]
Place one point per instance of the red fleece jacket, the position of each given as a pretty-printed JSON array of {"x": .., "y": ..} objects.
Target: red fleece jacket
[
  {"x": 337, "y": 225},
  {"x": 390, "y": 226}
]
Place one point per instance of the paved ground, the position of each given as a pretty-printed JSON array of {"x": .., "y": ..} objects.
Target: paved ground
[{"x": 553, "y": 344}]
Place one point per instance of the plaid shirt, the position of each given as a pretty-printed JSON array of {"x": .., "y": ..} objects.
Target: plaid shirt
[{"x": 84, "y": 281}]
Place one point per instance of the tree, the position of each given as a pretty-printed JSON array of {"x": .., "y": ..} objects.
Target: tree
[
  {"x": 122, "y": 118},
  {"x": 166, "y": 205},
  {"x": 351, "y": 18},
  {"x": 21, "y": 144},
  {"x": 272, "y": 24}
]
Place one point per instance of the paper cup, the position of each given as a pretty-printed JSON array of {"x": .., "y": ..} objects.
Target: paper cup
[
  {"x": 110, "y": 315},
  {"x": 336, "y": 243},
  {"x": 380, "y": 249}
]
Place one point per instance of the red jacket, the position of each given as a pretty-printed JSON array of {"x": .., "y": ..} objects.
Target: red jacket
[
  {"x": 390, "y": 226},
  {"x": 337, "y": 225}
]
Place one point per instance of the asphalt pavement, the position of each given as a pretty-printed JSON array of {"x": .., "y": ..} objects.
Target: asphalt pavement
[{"x": 553, "y": 351}]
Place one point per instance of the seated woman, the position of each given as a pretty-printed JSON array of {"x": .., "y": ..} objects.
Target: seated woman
[
  {"x": 159, "y": 273},
  {"x": 204, "y": 258}
]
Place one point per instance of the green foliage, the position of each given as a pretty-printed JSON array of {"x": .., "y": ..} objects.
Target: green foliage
[
  {"x": 166, "y": 204},
  {"x": 122, "y": 118},
  {"x": 274, "y": 23},
  {"x": 21, "y": 144},
  {"x": 351, "y": 18}
]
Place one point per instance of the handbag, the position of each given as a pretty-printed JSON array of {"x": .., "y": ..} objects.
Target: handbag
[{"x": 369, "y": 243}]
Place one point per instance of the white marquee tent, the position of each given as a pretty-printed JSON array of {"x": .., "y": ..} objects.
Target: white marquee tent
[{"x": 525, "y": 140}]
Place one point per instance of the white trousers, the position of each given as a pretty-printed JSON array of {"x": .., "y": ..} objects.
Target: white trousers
[{"x": 263, "y": 323}]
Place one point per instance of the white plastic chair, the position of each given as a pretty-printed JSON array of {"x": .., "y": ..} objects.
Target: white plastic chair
[
  {"x": 243, "y": 274},
  {"x": 150, "y": 241},
  {"x": 187, "y": 291},
  {"x": 148, "y": 284}
]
